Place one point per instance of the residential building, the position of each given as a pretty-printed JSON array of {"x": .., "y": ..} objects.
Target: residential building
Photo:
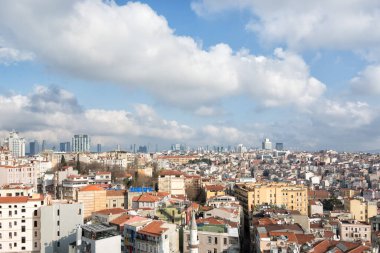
[
  {"x": 171, "y": 181},
  {"x": 214, "y": 190},
  {"x": 106, "y": 215},
  {"x": 81, "y": 143},
  {"x": 159, "y": 237},
  {"x": 96, "y": 238},
  {"x": 214, "y": 235},
  {"x": 361, "y": 209},
  {"x": 59, "y": 220},
  {"x": 94, "y": 198},
  {"x": 289, "y": 196},
  {"x": 15, "y": 144},
  {"x": 353, "y": 230},
  {"x": 116, "y": 198},
  {"x": 20, "y": 223},
  {"x": 18, "y": 174}
]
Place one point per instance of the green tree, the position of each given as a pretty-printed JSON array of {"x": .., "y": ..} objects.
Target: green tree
[{"x": 63, "y": 161}]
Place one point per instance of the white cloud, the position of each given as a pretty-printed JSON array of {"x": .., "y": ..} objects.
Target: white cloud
[
  {"x": 367, "y": 82},
  {"x": 134, "y": 46},
  {"x": 10, "y": 55},
  {"x": 60, "y": 117},
  {"x": 348, "y": 115},
  {"x": 348, "y": 25}
]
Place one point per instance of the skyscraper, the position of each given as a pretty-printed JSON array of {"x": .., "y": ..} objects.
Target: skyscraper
[
  {"x": 267, "y": 144},
  {"x": 16, "y": 145},
  {"x": 64, "y": 147},
  {"x": 43, "y": 147},
  {"x": 99, "y": 148},
  {"x": 34, "y": 148},
  {"x": 81, "y": 143},
  {"x": 279, "y": 146}
]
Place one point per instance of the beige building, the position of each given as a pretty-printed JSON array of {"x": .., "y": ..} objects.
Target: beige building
[
  {"x": 361, "y": 209},
  {"x": 116, "y": 198},
  {"x": 289, "y": 196},
  {"x": 352, "y": 230},
  {"x": 94, "y": 198},
  {"x": 171, "y": 181},
  {"x": 24, "y": 174}
]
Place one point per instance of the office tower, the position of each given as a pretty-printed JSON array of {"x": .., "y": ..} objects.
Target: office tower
[
  {"x": 279, "y": 146},
  {"x": 43, "y": 147},
  {"x": 64, "y": 147},
  {"x": 99, "y": 148},
  {"x": 267, "y": 145},
  {"x": 15, "y": 144},
  {"x": 34, "y": 148},
  {"x": 81, "y": 143},
  {"x": 143, "y": 149}
]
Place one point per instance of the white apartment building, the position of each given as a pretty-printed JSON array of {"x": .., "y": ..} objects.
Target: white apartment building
[
  {"x": 16, "y": 190},
  {"x": 21, "y": 174},
  {"x": 59, "y": 220},
  {"x": 81, "y": 143},
  {"x": 20, "y": 224},
  {"x": 74, "y": 182},
  {"x": 15, "y": 144}
]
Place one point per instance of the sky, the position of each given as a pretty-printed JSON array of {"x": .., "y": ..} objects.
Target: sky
[{"x": 200, "y": 72}]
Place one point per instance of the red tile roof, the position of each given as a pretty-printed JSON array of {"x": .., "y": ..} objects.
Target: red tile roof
[
  {"x": 170, "y": 173},
  {"x": 111, "y": 211},
  {"x": 154, "y": 228},
  {"x": 146, "y": 198},
  {"x": 91, "y": 188},
  {"x": 21, "y": 199},
  {"x": 214, "y": 188}
]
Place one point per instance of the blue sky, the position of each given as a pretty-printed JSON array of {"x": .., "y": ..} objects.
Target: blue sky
[{"x": 202, "y": 72}]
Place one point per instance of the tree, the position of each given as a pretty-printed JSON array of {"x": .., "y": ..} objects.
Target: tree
[{"x": 63, "y": 161}]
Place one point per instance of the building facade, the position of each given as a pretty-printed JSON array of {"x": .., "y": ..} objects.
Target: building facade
[
  {"x": 289, "y": 196},
  {"x": 81, "y": 143}
]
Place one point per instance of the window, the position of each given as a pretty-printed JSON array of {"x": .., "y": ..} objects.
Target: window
[
  {"x": 216, "y": 240},
  {"x": 10, "y": 224},
  {"x": 22, "y": 228},
  {"x": 215, "y": 250},
  {"x": 57, "y": 222},
  {"x": 1, "y": 246},
  {"x": 1, "y": 236},
  {"x": 35, "y": 223},
  {"x": 35, "y": 244},
  {"x": 0, "y": 225},
  {"x": 57, "y": 233},
  {"x": 80, "y": 211},
  {"x": 15, "y": 244},
  {"x": 10, "y": 213},
  {"x": 10, "y": 235},
  {"x": 225, "y": 241},
  {"x": 23, "y": 239},
  {"x": 22, "y": 221},
  {"x": 23, "y": 210},
  {"x": 35, "y": 213},
  {"x": 209, "y": 239},
  {"x": 35, "y": 233},
  {"x": 58, "y": 244},
  {"x": 15, "y": 233},
  {"x": 58, "y": 212},
  {"x": 15, "y": 223},
  {"x": 23, "y": 248}
]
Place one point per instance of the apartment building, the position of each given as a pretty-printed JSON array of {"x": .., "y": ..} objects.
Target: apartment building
[
  {"x": 59, "y": 220},
  {"x": 214, "y": 235},
  {"x": 361, "y": 209},
  {"x": 20, "y": 223},
  {"x": 176, "y": 159},
  {"x": 289, "y": 196},
  {"x": 159, "y": 237},
  {"x": 16, "y": 190},
  {"x": 24, "y": 174},
  {"x": 93, "y": 197},
  {"x": 171, "y": 181},
  {"x": 353, "y": 230}
]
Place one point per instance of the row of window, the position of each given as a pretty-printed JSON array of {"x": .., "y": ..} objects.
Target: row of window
[{"x": 15, "y": 245}]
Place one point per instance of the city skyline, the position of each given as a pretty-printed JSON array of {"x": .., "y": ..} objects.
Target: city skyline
[{"x": 202, "y": 72}]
